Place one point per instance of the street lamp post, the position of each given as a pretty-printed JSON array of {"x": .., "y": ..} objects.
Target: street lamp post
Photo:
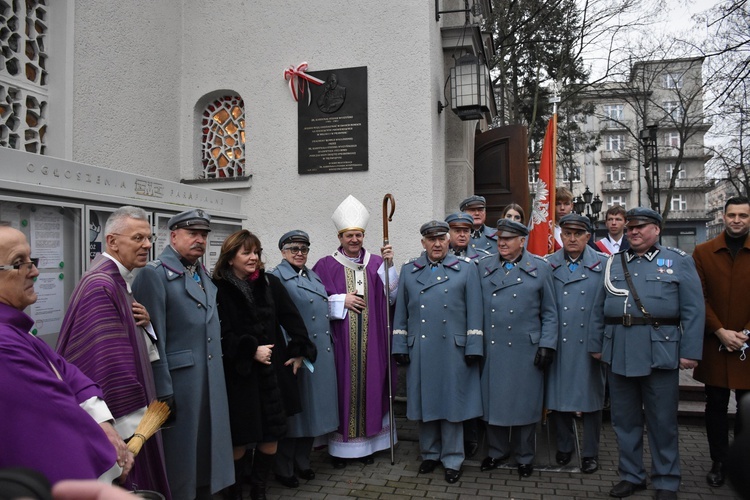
[
  {"x": 651, "y": 155},
  {"x": 590, "y": 204}
]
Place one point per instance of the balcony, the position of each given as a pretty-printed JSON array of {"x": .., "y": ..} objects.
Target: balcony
[
  {"x": 616, "y": 186},
  {"x": 688, "y": 215},
  {"x": 614, "y": 125},
  {"x": 621, "y": 155},
  {"x": 702, "y": 184},
  {"x": 688, "y": 152}
]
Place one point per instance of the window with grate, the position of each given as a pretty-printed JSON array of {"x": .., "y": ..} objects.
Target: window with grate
[
  {"x": 223, "y": 139},
  {"x": 23, "y": 75},
  {"x": 616, "y": 200}
]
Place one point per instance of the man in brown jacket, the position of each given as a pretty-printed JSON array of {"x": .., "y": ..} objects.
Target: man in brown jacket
[{"x": 723, "y": 265}]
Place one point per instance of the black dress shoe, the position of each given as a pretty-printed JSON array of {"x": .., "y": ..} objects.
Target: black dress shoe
[
  {"x": 563, "y": 457},
  {"x": 470, "y": 448},
  {"x": 525, "y": 470},
  {"x": 715, "y": 478},
  {"x": 452, "y": 475},
  {"x": 368, "y": 460},
  {"x": 338, "y": 462},
  {"x": 289, "y": 482},
  {"x": 490, "y": 463},
  {"x": 428, "y": 466},
  {"x": 589, "y": 465},
  {"x": 626, "y": 488},
  {"x": 665, "y": 495},
  {"x": 307, "y": 474}
]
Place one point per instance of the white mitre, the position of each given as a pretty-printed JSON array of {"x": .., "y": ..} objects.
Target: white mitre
[{"x": 350, "y": 215}]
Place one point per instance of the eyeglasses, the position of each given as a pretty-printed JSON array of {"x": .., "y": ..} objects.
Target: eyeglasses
[
  {"x": 138, "y": 238},
  {"x": 296, "y": 250},
  {"x": 33, "y": 261}
]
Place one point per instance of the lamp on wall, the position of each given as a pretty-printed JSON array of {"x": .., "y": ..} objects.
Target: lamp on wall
[{"x": 469, "y": 88}]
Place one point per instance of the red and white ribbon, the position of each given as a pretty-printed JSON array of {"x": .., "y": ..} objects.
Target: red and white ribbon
[{"x": 298, "y": 72}]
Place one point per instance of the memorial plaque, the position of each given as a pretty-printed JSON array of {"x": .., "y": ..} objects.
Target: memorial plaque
[{"x": 332, "y": 122}]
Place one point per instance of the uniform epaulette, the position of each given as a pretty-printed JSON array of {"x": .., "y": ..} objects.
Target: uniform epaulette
[
  {"x": 464, "y": 258},
  {"x": 411, "y": 260},
  {"x": 603, "y": 255},
  {"x": 677, "y": 251},
  {"x": 486, "y": 257},
  {"x": 539, "y": 257},
  {"x": 154, "y": 263}
]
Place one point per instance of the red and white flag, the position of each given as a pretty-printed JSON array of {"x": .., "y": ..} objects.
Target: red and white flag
[{"x": 542, "y": 220}]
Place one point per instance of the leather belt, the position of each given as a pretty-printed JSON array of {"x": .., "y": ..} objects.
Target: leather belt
[{"x": 629, "y": 320}]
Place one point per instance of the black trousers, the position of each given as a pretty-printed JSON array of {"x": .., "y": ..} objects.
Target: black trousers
[{"x": 717, "y": 421}]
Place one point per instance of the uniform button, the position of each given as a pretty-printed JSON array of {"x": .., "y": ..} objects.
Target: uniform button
[
  {"x": 493, "y": 326},
  {"x": 422, "y": 291},
  {"x": 311, "y": 301},
  {"x": 313, "y": 317},
  {"x": 583, "y": 291},
  {"x": 514, "y": 295},
  {"x": 635, "y": 274},
  {"x": 565, "y": 340},
  {"x": 423, "y": 336},
  {"x": 511, "y": 311},
  {"x": 667, "y": 337},
  {"x": 325, "y": 300},
  {"x": 210, "y": 357},
  {"x": 443, "y": 335},
  {"x": 326, "y": 315},
  {"x": 565, "y": 293},
  {"x": 582, "y": 327},
  {"x": 445, "y": 321},
  {"x": 422, "y": 306},
  {"x": 423, "y": 321},
  {"x": 493, "y": 310},
  {"x": 658, "y": 277},
  {"x": 510, "y": 343},
  {"x": 518, "y": 279},
  {"x": 209, "y": 339},
  {"x": 438, "y": 278},
  {"x": 328, "y": 349},
  {"x": 509, "y": 327},
  {"x": 565, "y": 324},
  {"x": 315, "y": 335},
  {"x": 327, "y": 331},
  {"x": 492, "y": 342},
  {"x": 200, "y": 305},
  {"x": 565, "y": 308},
  {"x": 445, "y": 306},
  {"x": 581, "y": 340},
  {"x": 494, "y": 295}
]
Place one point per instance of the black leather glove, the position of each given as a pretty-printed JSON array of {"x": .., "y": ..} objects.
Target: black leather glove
[
  {"x": 472, "y": 359},
  {"x": 402, "y": 359},
  {"x": 172, "y": 410},
  {"x": 544, "y": 357}
]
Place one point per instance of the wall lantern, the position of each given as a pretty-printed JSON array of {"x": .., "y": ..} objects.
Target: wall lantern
[
  {"x": 589, "y": 203},
  {"x": 469, "y": 88}
]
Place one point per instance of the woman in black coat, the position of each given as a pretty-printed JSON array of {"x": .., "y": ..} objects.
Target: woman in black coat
[{"x": 259, "y": 364}]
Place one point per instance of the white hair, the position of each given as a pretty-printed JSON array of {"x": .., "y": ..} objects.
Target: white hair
[{"x": 118, "y": 219}]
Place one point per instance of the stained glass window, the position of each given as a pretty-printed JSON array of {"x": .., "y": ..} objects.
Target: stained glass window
[
  {"x": 23, "y": 74},
  {"x": 223, "y": 138}
]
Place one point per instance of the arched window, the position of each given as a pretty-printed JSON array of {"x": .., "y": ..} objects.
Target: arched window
[
  {"x": 23, "y": 75},
  {"x": 223, "y": 138}
]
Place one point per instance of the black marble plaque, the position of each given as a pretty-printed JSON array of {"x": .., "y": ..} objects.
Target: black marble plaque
[{"x": 332, "y": 121}]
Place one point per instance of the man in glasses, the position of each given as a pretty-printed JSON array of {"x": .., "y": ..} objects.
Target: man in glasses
[
  {"x": 576, "y": 380},
  {"x": 53, "y": 417},
  {"x": 317, "y": 388},
  {"x": 108, "y": 335},
  {"x": 189, "y": 376}
]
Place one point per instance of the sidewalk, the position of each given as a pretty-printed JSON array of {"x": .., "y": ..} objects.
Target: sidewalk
[{"x": 402, "y": 481}]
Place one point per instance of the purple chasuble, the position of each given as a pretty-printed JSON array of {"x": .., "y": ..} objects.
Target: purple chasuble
[
  {"x": 44, "y": 428},
  {"x": 100, "y": 337},
  {"x": 361, "y": 349}
]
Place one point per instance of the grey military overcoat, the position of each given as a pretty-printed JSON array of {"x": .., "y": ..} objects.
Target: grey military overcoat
[
  {"x": 317, "y": 390},
  {"x": 669, "y": 287},
  {"x": 520, "y": 316},
  {"x": 576, "y": 380},
  {"x": 438, "y": 321},
  {"x": 487, "y": 241},
  {"x": 190, "y": 368}
]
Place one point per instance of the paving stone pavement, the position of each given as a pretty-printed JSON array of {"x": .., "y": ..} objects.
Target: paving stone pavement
[{"x": 402, "y": 480}]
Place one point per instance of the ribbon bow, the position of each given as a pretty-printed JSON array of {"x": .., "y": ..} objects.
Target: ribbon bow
[{"x": 298, "y": 72}]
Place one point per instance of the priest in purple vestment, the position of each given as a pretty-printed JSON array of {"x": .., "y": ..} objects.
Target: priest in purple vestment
[
  {"x": 108, "y": 336},
  {"x": 53, "y": 417},
  {"x": 358, "y": 302}
]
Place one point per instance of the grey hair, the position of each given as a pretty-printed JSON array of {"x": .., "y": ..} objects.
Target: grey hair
[{"x": 116, "y": 221}]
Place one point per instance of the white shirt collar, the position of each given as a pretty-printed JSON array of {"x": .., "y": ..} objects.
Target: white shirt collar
[{"x": 128, "y": 276}]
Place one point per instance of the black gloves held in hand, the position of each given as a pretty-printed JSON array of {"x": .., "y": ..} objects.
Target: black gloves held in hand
[
  {"x": 402, "y": 359},
  {"x": 169, "y": 400},
  {"x": 544, "y": 357},
  {"x": 472, "y": 359}
]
